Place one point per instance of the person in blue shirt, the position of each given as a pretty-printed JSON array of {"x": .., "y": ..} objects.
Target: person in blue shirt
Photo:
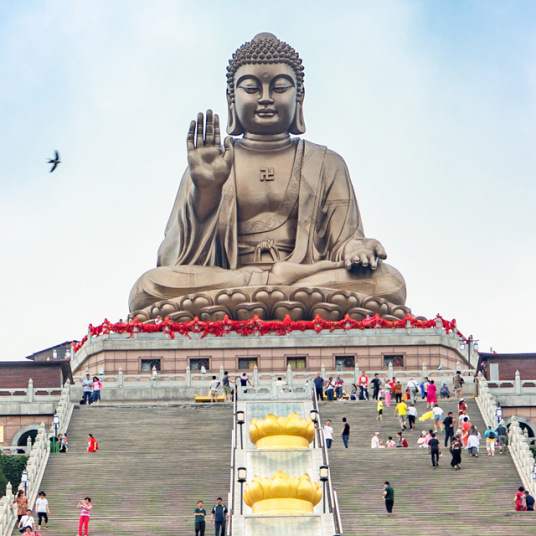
[
  {"x": 319, "y": 386},
  {"x": 200, "y": 514},
  {"x": 87, "y": 384},
  {"x": 219, "y": 516},
  {"x": 491, "y": 436}
]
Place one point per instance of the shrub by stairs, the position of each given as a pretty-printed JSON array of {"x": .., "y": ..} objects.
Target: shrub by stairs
[
  {"x": 153, "y": 464},
  {"x": 476, "y": 500}
]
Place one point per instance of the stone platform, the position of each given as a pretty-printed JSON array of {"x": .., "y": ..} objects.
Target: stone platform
[{"x": 405, "y": 349}]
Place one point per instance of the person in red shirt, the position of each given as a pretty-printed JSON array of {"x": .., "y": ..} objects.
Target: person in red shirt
[
  {"x": 363, "y": 386},
  {"x": 92, "y": 445}
]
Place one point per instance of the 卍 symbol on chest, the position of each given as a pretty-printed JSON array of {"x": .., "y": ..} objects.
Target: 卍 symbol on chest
[{"x": 267, "y": 174}]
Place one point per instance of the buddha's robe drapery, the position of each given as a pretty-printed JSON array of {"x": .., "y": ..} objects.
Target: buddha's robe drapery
[
  {"x": 328, "y": 216},
  {"x": 197, "y": 256}
]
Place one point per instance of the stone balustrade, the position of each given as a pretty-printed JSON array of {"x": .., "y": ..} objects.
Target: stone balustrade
[
  {"x": 37, "y": 460},
  {"x": 297, "y": 377},
  {"x": 29, "y": 394},
  {"x": 6, "y": 511},
  {"x": 518, "y": 443}
]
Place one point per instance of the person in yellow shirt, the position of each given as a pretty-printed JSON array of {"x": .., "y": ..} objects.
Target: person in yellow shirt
[
  {"x": 402, "y": 412},
  {"x": 380, "y": 410}
]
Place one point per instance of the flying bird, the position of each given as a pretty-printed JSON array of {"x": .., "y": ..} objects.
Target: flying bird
[{"x": 54, "y": 162}]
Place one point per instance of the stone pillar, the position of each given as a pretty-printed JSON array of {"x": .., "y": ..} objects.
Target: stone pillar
[
  {"x": 323, "y": 371},
  {"x": 391, "y": 372},
  {"x": 120, "y": 378},
  {"x": 29, "y": 446},
  {"x": 289, "y": 376},
  {"x": 30, "y": 394},
  {"x": 154, "y": 378},
  {"x": 221, "y": 373},
  {"x": 424, "y": 371},
  {"x": 274, "y": 387},
  {"x": 356, "y": 373},
  {"x": 518, "y": 383},
  {"x": 188, "y": 377},
  {"x": 255, "y": 376},
  {"x": 458, "y": 365}
]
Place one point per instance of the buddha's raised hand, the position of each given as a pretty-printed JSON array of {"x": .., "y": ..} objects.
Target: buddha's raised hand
[
  {"x": 209, "y": 161},
  {"x": 364, "y": 252}
]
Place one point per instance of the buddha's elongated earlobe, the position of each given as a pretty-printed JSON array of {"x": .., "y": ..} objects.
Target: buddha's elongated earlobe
[
  {"x": 298, "y": 124},
  {"x": 234, "y": 128}
]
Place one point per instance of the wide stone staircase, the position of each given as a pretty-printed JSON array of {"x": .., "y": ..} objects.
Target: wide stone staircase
[
  {"x": 153, "y": 464},
  {"x": 478, "y": 499}
]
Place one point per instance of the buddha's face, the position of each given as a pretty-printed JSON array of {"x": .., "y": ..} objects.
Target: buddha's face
[{"x": 265, "y": 98}]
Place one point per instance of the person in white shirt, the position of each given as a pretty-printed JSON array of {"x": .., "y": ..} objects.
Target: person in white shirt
[
  {"x": 438, "y": 418},
  {"x": 422, "y": 441},
  {"x": 214, "y": 384},
  {"x": 413, "y": 388},
  {"x": 41, "y": 508},
  {"x": 412, "y": 416},
  {"x": 328, "y": 433},
  {"x": 27, "y": 521},
  {"x": 375, "y": 441}
]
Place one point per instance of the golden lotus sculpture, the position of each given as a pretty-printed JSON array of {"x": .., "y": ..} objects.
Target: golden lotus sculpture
[
  {"x": 282, "y": 432},
  {"x": 282, "y": 494}
]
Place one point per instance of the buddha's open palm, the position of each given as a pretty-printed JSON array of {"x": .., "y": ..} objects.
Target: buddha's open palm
[
  {"x": 209, "y": 161},
  {"x": 364, "y": 252}
]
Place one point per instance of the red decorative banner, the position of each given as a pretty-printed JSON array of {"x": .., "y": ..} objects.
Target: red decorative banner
[{"x": 262, "y": 327}]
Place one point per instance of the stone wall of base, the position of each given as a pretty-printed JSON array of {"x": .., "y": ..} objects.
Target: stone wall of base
[{"x": 270, "y": 354}]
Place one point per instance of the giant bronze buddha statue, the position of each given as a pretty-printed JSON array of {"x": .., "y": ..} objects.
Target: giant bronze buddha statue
[{"x": 266, "y": 223}]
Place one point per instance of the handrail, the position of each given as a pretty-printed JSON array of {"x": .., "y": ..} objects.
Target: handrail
[
  {"x": 333, "y": 501},
  {"x": 518, "y": 444},
  {"x": 234, "y": 446}
]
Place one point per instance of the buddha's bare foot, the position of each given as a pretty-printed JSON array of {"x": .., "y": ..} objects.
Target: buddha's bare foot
[{"x": 288, "y": 273}]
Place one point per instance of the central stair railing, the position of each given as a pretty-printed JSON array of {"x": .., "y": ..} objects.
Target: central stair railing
[{"x": 332, "y": 494}]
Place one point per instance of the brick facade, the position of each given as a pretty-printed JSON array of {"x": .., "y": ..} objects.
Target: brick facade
[
  {"x": 44, "y": 374},
  {"x": 508, "y": 364}
]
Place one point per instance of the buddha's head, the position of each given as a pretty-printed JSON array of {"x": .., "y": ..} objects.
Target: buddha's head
[{"x": 265, "y": 88}]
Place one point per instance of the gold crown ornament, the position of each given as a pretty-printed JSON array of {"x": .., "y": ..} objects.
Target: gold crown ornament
[
  {"x": 282, "y": 432},
  {"x": 282, "y": 494}
]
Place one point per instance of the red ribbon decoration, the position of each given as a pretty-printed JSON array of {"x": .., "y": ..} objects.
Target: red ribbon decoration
[{"x": 262, "y": 327}]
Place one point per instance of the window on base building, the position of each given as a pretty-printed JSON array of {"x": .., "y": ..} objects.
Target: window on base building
[
  {"x": 297, "y": 362},
  {"x": 395, "y": 360},
  {"x": 344, "y": 361},
  {"x": 197, "y": 363},
  {"x": 147, "y": 365},
  {"x": 247, "y": 363}
]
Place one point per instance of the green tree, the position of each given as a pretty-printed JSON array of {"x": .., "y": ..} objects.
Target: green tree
[{"x": 11, "y": 468}]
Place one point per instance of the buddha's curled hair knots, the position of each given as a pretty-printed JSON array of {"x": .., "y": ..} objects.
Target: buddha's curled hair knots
[{"x": 265, "y": 48}]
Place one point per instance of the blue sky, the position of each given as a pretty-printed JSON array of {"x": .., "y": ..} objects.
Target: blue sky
[{"x": 432, "y": 105}]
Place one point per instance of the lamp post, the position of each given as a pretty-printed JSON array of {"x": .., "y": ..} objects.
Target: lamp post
[
  {"x": 314, "y": 418},
  {"x": 56, "y": 421},
  {"x": 240, "y": 420},
  {"x": 324, "y": 475},
  {"x": 470, "y": 341},
  {"x": 242, "y": 477},
  {"x": 24, "y": 480}
]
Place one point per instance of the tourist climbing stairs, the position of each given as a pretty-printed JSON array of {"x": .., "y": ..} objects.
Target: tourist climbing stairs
[
  {"x": 476, "y": 500},
  {"x": 153, "y": 464}
]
